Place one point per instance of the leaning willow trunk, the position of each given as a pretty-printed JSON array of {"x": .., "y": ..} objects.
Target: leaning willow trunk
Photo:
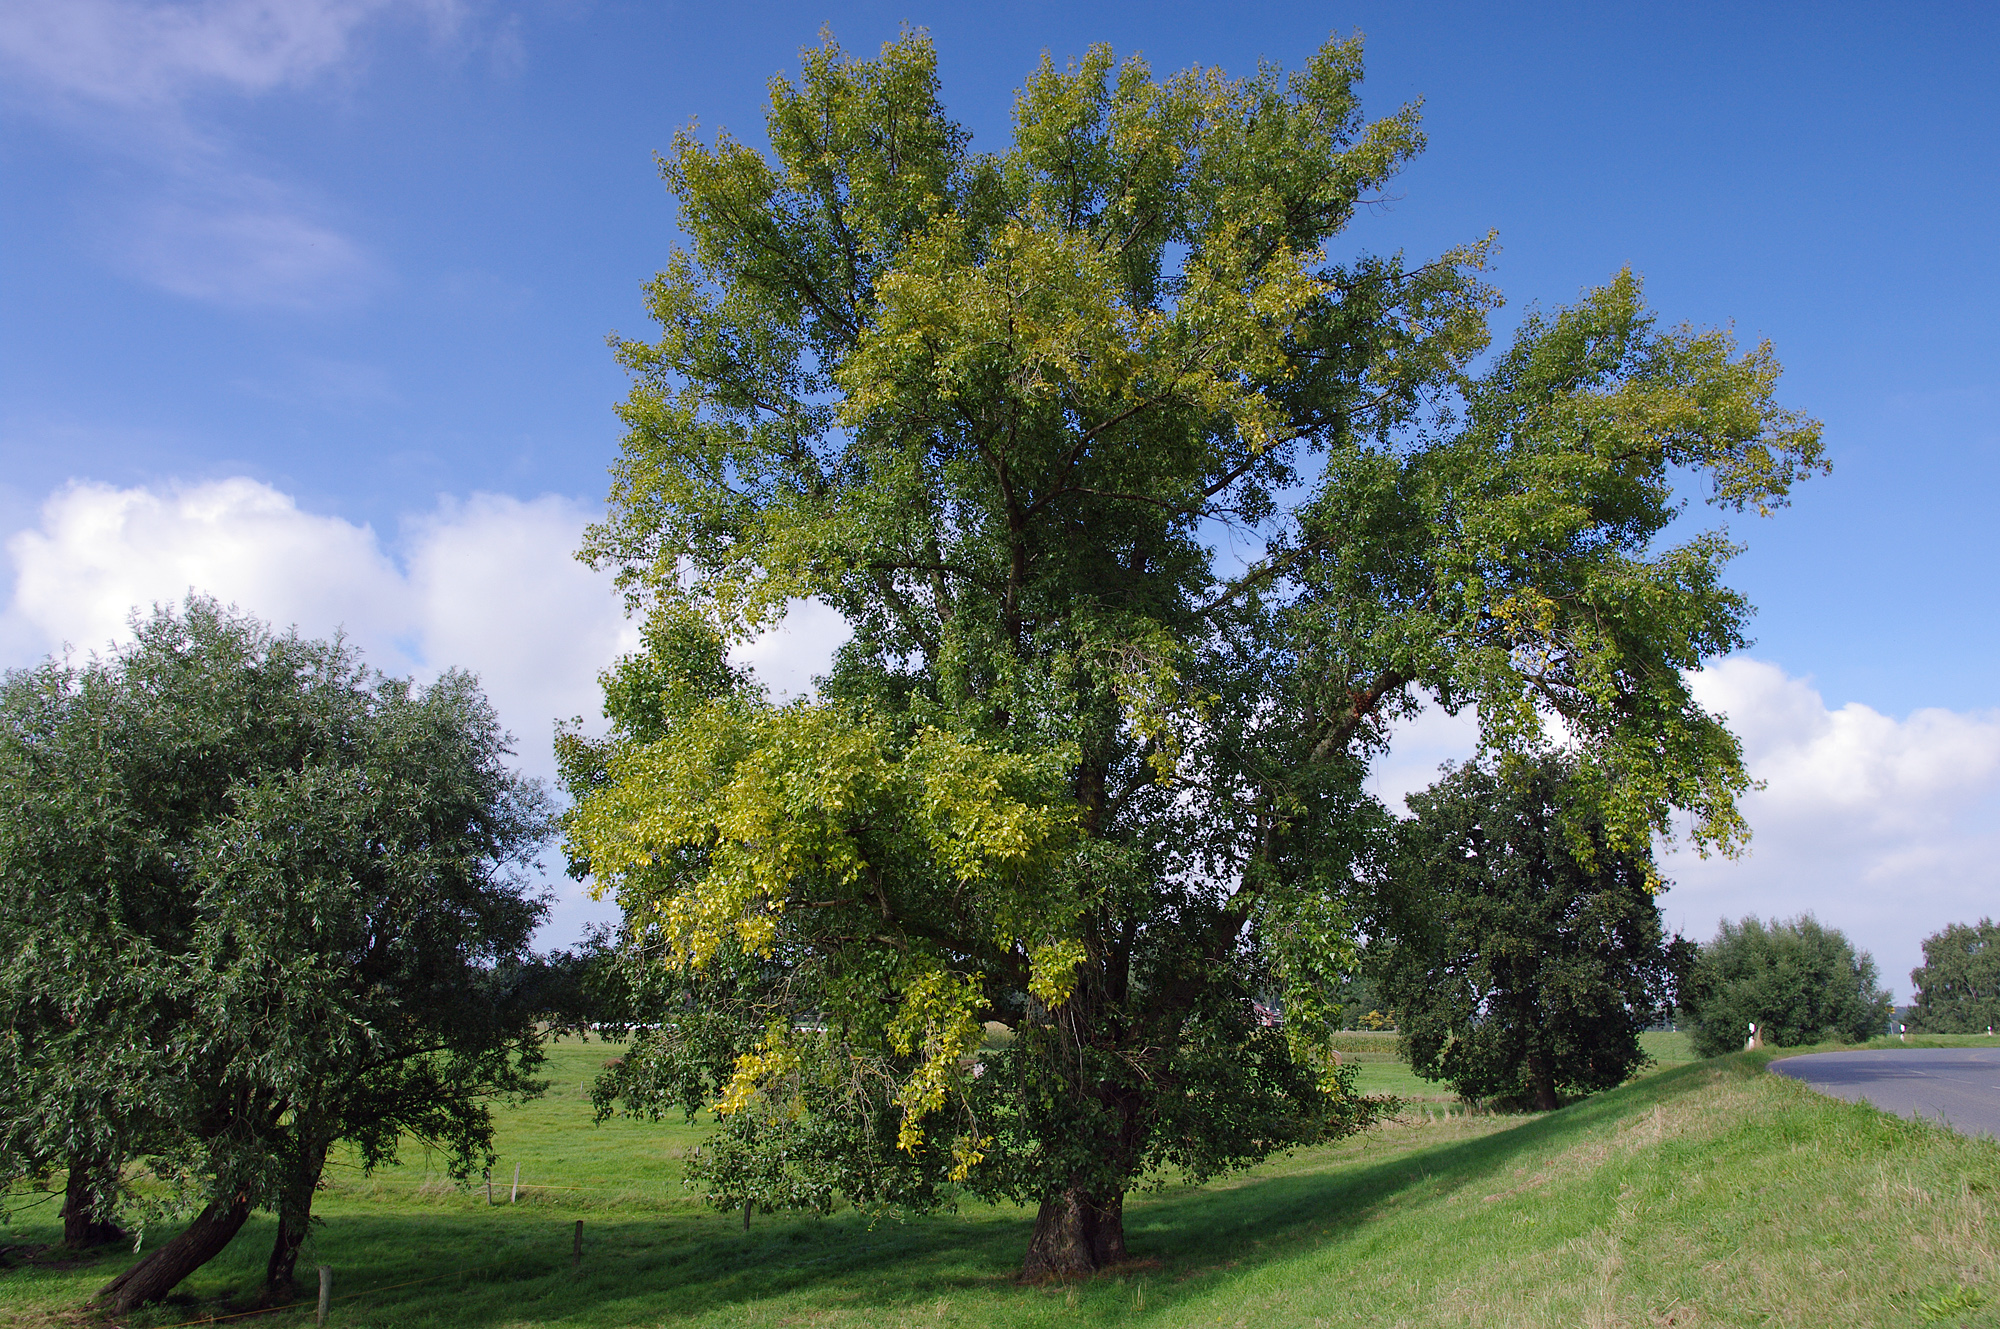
[
  {"x": 161, "y": 1271},
  {"x": 280, "y": 1271}
]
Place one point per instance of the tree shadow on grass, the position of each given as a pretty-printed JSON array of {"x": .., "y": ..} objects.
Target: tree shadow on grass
[
  {"x": 512, "y": 1266},
  {"x": 1256, "y": 1220}
]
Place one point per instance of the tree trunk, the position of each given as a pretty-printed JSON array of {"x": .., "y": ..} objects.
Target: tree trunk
[
  {"x": 1107, "y": 1239},
  {"x": 82, "y": 1228},
  {"x": 294, "y": 1221},
  {"x": 279, "y": 1269},
  {"x": 1542, "y": 1082},
  {"x": 162, "y": 1270},
  {"x": 1076, "y": 1235}
]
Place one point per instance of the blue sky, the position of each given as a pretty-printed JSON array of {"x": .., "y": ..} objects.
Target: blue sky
[{"x": 305, "y": 301}]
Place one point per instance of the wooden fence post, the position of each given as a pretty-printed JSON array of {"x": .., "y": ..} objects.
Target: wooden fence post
[
  {"x": 514, "y": 1196},
  {"x": 576, "y": 1252},
  {"x": 489, "y": 1186},
  {"x": 325, "y": 1292}
]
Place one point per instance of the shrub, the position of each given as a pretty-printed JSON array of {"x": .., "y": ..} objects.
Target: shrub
[{"x": 1798, "y": 981}]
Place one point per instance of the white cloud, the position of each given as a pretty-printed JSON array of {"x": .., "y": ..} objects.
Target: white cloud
[
  {"x": 487, "y": 583},
  {"x": 1884, "y": 828},
  {"x": 1418, "y": 747},
  {"x": 494, "y": 585},
  {"x": 789, "y": 657},
  {"x": 100, "y": 551}
]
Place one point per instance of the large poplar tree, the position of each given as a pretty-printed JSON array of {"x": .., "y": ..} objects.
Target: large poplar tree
[{"x": 1150, "y": 500}]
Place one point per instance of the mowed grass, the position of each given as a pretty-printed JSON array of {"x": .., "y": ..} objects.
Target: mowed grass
[{"x": 1701, "y": 1194}]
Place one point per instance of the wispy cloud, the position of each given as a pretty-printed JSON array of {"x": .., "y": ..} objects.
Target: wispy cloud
[
  {"x": 326, "y": 383},
  {"x": 149, "y": 85},
  {"x": 246, "y": 255},
  {"x": 155, "y": 56}
]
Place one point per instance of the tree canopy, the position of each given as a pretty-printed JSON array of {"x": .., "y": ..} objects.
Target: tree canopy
[
  {"x": 1520, "y": 952},
  {"x": 1958, "y": 984},
  {"x": 1795, "y": 979},
  {"x": 254, "y": 898},
  {"x": 1150, "y": 502}
]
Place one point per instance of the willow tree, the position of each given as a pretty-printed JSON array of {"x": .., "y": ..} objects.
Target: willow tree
[
  {"x": 255, "y": 900},
  {"x": 1148, "y": 511}
]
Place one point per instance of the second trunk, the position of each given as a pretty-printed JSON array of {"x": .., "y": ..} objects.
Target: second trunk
[{"x": 83, "y": 1203}]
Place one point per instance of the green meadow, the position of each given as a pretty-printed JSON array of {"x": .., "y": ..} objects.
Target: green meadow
[{"x": 1702, "y": 1193}]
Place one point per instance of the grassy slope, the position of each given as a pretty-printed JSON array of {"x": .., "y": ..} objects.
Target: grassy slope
[{"x": 1705, "y": 1194}]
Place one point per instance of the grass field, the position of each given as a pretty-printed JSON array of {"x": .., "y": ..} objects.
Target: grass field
[
  {"x": 1380, "y": 1071},
  {"x": 1701, "y": 1194}
]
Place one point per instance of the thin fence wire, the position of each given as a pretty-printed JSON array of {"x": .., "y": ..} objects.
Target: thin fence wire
[
  {"x": 427, "y": 1186},
  {"x": 345, "y": 1296}
]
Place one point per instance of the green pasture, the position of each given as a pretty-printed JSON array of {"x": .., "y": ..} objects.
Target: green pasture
[
  {"x": 1700, "y": 1194},
  {"x": 1378, "y": 1070}
]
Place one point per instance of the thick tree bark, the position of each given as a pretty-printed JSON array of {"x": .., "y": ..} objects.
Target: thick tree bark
[
  {"x": 82, "y": 1227},
  {"x": 162, "y": 1270},
  {"x": 1076, "y": 1235}
]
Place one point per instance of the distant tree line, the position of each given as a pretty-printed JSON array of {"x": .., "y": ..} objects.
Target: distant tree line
[{"x": 1958, "y": 984}]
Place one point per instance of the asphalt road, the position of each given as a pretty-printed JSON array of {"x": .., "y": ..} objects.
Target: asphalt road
[{"x": 1961, "y": 1086}]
